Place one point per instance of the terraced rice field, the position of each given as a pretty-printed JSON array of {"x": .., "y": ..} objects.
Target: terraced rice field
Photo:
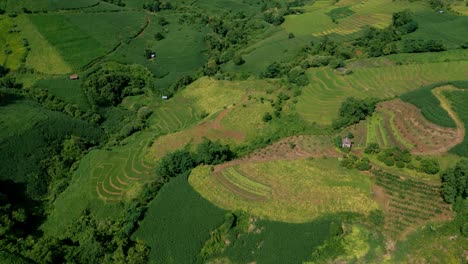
[
  {"x": 376, "y": 13},
  {"x": 116, "y": 173},
  {"x": 169, "y": 119},
  {"x": 407, "y": 203},
  {"x": 241, "y": 185},
  {"x": 285, "y": 190},
  {"x": 321, "y": 99}
]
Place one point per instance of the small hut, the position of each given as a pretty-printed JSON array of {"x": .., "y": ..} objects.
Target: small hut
[
  {"x": 74, "y": 77},
  {"x": 346, "y": 142},
  {"x": 164, "y": 97}
]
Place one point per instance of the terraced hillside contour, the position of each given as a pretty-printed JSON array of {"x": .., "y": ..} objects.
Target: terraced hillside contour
[
  {"x": 115, "y": 173},
  {"x": 285, "y": 190},
  {"x": 321, "y": 99},
  {"x": 396, "y": 123}
]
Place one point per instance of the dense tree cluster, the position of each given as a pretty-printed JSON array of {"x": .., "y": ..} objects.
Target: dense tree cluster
[
  {"x": 116, "y": 2},
  {"x": 352, "y": 161},
  {"x": 157, "y": 5},
  {"x": 52, "y": 102},
  {"x": 418, "y": 45},
  {"x": 394, "y": 156},
  {"x": 455, "y": 182},
  {"x": 383, "y": 42},
  {"x": 109, "y": 84},
  {"x": 182, "y": 161},
  {"x": 353, "y": 110}
]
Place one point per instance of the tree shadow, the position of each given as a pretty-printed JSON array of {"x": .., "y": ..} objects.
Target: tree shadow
[
  {"x": 8, "y": 97},
  {"x": 16, "y": 196}
]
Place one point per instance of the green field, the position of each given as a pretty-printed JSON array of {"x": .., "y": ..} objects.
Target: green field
[
  {"x": 67, "y": 90},
  {"x": 321, "y": 99},
  {"x": 458, "y": 101},
  {"x": 448, "y": 28},
  {"x": 180, "y": 53},
  {"x": 430, "y": 107},
  {"x": 43, "y": 5},
  {"x": 43, "y": 57},
  {"x": 306, "y": 193},
  {"x": 274, "y": 45},
  {"x": 81, "y": 38},
  {"x": 177, "y": 223}
]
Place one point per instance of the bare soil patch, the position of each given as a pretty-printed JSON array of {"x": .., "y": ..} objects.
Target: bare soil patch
[{"x": 295, "y": 147}]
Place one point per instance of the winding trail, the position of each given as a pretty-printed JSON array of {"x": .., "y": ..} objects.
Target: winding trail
[{"x": 445, "y": 104}]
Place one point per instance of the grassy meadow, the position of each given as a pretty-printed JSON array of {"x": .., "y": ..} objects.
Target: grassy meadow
[{"x": 293, "y": 191}]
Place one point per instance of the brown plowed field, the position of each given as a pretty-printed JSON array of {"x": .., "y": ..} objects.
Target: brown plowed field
[{"x": 412, "y": 127}]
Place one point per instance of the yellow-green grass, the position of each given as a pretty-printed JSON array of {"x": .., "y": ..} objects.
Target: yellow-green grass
[
  {"x": 376, "y": 13},
  {"x": 438, "y": 242},
  {"x": 11, "y": 41},
  {"x": 247, "y": 117},
  {"x": 81, "y": 38},
  {"x": 211, "y": 96},
  {"x": 376, "y": 132},
  {"x": 43, "y": 57},
  {"x": 460, "y": 7},
  {"x": 301, "y": 190},
  {"x": 103, "y": 179},
  {"x": 321, "y": 99},
  {"x": 169, "y": 117}
]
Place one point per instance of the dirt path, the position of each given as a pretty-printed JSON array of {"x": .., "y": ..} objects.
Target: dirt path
[{"x": 447, "y": 107}]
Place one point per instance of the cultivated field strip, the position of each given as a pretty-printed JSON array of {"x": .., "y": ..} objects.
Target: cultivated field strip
[
  {"x": 408, "y": 203},
  {"x": 321, "y": 99}
]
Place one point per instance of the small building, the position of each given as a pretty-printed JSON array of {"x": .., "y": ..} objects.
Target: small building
[
  {"x": 74, "y": 77},
  {"x": 346, "y": 142},
  {"x": 164, "y": 97}
]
